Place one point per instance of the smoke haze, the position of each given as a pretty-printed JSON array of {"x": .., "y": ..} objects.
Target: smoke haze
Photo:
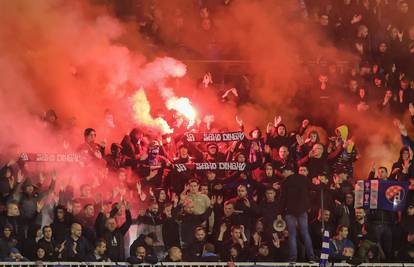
[{"x": 78, "y": 59}]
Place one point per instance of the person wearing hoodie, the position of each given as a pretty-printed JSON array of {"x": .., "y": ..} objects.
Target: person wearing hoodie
[
  {"x": 269, "y": 179},
  {"x": 131, "y": 144},
  {"x": 151, "y": 166},
  {"x": 343, "y": 152},
  {"x": 213, "y": 154},
  {"x": 253, "y": 147},
  {"x": 116, "y": 159},
  {"x": 276, "y": 134},
  {"x": 30, "y": 196}
]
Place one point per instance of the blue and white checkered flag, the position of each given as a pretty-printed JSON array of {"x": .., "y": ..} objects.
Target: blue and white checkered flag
[{"x": 325, "y": 249}]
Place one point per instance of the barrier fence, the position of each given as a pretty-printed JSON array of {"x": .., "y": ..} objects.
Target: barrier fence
[{"x": 195, "y": 264}]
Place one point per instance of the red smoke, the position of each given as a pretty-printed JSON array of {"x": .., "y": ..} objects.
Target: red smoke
[{"x": 81, "y": 61}]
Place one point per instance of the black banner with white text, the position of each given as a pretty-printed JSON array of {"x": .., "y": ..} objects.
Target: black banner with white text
[
  {"x": 211, "y": 166},
  {"x": 214, "y": 137}
]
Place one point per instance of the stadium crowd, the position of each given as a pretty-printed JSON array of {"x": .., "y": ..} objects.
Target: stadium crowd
[{"x": 270, "y": 211}]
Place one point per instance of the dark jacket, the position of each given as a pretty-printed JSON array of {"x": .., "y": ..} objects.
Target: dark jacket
[
  {"x": 18, "y": 224},
  {"x": 91, "y": 257},
  {"x": 293, "y": 188},
  {"x": 189, "y": 222},
  {"x": 147, "y": 259},
  {"x": 115, "y": 239},
  {"x": 60, "y": 229},
  {"x": 315, "y": 166},
  {"x": 194, "y": 251},
  {"x": 170, "y": 233},
  {"x": 49, "y": 247},
  {"x": 82, "y": 249}
]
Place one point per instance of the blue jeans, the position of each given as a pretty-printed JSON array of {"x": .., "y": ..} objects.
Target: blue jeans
[{"x": 291, "y": 222}]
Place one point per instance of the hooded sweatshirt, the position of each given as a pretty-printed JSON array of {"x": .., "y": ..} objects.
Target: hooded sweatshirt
[{"x": 345, "y": 154}]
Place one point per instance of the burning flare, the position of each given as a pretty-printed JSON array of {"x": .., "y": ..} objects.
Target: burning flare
[
  {"x": 183, "y": 106},
  {"x": 142, "y": 108}
]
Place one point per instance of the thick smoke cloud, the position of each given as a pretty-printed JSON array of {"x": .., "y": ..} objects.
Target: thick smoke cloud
[
  {"x": 78, "y": 59},
  {"x": 68, "y": 56}
]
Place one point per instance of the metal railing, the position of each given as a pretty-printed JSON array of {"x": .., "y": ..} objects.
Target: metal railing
[{"x": 195, "y": 264}]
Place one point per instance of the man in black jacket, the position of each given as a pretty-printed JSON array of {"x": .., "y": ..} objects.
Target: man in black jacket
[
  {"x": 99, "y": 253},
  {"x": 75, "y": 247},
  {"x": 48, "y": 243},
  {"x": 189, "y": 220},
  {"x": 114, "y": 236},
  {"x": 294, "y": 187}
]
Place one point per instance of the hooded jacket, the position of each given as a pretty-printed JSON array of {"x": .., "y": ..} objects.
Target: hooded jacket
[
  {"x": 276, "y": 141},
  {"x": 28, "y": 202},
  {"x": 131, "y": 146},
  {"x": 345, "y": 154}
]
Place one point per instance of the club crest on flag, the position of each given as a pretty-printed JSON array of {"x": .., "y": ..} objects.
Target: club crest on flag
[{"x": 395, "y": 194}]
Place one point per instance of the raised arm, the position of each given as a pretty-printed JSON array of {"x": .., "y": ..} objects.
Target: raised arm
[{"x": 125, "y": 226}]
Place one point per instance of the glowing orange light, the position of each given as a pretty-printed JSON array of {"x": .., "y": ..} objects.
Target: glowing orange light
[
  {"x": 142, "y": 108},
  {"x": 183, "y": 106}
]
